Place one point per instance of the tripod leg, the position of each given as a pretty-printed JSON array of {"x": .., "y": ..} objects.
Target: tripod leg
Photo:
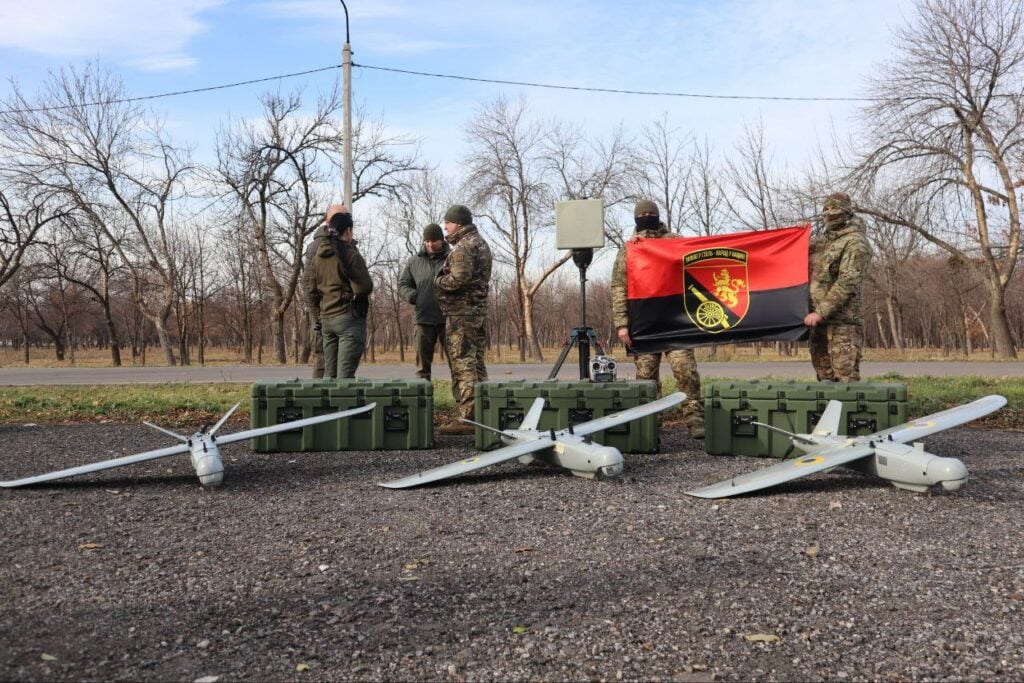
[{"x": 573, "y": 338}]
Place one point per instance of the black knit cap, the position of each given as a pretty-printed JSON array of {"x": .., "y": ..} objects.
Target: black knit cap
[{"x": 433, "y": 232}]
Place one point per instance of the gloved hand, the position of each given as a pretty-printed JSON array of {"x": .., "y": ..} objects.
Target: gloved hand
[
  {"x": 361, "y": 305},
  {"x": 317, "y": 327}
]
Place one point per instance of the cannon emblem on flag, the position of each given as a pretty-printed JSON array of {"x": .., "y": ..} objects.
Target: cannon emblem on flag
[{"x": 716, "y": 289}]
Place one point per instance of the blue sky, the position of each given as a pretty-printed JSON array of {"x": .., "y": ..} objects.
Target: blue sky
[{"x": 729, "y": 47}]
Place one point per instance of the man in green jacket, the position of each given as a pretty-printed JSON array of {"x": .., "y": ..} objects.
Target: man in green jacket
[
  {"x": 416, "y": 286},
  {"x": 838, "y": 268},
  {"x": 338, "y": 276}
]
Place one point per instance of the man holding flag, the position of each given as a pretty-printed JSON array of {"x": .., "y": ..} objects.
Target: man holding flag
[{"x": 648, "y": 365}]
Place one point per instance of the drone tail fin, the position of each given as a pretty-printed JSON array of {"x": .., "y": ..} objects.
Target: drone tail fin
[
  {"x": 802, "y": 438},
  {"x": 168, "y": 432},
  {"x": 487, "y": 427},
  {"x": 828, "y": 423},
  {"x": 220, "y": 422},
  {"x": 532, "y": 418}
]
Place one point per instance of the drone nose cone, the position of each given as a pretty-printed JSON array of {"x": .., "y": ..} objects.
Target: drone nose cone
[
  {"x": 209, "y": 469},
  {"x": 213, "y": 479},
  {"x": 949, "y": 472},
  {"x": 611, "y": 470}
]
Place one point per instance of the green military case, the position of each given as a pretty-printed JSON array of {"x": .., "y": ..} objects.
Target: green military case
[
  {"x": 731, "y": 408},
  {"x": 403, "y": 418},
  {"x": 503, "y": 405}
]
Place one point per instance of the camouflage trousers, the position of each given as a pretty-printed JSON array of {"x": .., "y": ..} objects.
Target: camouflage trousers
[
  {"x": 684, "y": 369},
  {"x": 316, "y": 349},
  {"x": 427, "y": 337},
  {"x": 344, "y": 343},
  {"x": 836, "y": 352},
  {"x": 465, "y": 343}
]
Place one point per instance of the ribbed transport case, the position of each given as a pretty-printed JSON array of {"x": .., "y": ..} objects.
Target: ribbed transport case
[
  {"x": 731, "y": 408},
  {"x": 503, "y": 405},
  {"x": 403, "y": 418}
]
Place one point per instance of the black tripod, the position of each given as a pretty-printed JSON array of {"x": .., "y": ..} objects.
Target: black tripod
[{"x": 582, "y": 335}]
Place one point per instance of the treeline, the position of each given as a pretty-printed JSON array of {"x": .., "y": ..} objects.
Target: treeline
[{"x": 113, "y": 235}]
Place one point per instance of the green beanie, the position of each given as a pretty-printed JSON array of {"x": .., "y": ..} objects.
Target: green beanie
[
  {"x": 645, "y": 206},
  {"x": 433, "y": 232},
  {"x": 458, "y": 214}
]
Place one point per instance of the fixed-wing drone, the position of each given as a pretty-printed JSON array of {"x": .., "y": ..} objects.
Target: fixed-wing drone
[
  {"x": 884, "y": 454},
  {"x": 570, "y": 448},
  {"x": 203, "y": 447}
]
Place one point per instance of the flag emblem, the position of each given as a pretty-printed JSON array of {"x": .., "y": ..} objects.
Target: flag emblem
[{"x": 716, "y": 288}]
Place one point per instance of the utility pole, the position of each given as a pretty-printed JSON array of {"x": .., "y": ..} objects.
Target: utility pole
[{"x": 346, "y": 73}]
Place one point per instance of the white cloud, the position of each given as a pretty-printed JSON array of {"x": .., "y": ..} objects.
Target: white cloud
[{"x": 148, "y": 34}]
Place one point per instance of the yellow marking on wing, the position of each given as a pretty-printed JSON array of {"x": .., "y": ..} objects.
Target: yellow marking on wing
[
  {"x": 470, "y": 461},
  {"x": 809, "y": 460}
]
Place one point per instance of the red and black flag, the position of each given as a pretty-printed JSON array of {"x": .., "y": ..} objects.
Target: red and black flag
[{"x": 689, "y": 291}]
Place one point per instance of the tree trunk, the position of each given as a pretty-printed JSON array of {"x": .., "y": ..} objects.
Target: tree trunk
[
  {"x": 1002, "y": 340},
  {"x": 115, "y": 343},
  {"x": 531, "y": 331},
  {"x": 893, "y": 324},
  {"x": 277, "y": 333}
]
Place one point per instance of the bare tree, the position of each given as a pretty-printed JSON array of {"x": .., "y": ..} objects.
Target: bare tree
[
  {"x": 660, "y": 170},
  {"x": 709, "y": 208},
  {"x": 23, "y": 214},
  {"x": 945, "y": 140},
  {"x": 105, "y": 156},
  {"x": 505, "y": 173},
  {"x": 272, "y": 177},
  {"x": 753, "y": 199}
]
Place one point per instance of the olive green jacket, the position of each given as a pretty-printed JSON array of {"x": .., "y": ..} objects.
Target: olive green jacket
[{"x": 326, "y": 282}]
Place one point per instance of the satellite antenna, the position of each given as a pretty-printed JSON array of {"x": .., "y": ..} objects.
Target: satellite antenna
[{"x": 579, "y": 225}]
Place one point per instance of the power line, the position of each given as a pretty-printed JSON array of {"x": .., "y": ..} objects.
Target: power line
[
  {"x": 656, "y": 93},
  {"x": 171, "y": 94},
  {"x": 526, "y": 84}
]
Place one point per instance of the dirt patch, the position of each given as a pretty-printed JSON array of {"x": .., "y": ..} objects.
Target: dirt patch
[{"x": 301, "y": 567}]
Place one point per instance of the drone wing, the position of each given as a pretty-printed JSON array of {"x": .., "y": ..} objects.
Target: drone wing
[
  {"x": 98, "y": 466},
  {"x": 477, "y": 462},
  {"x": 784, "y": 471},
  {"x": 946, "y": 419},
  {"x": 296, "y": 424},
  {"x": 628, "y": 415}
]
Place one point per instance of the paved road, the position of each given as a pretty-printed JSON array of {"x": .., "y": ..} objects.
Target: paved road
[{"x": 267, "y": 373}]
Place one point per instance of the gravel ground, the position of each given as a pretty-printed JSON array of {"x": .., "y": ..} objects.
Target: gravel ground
[{"x": 301, "y": 568}]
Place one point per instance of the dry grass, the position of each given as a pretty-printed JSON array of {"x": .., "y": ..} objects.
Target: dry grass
[{"x": 100, "y": 358}]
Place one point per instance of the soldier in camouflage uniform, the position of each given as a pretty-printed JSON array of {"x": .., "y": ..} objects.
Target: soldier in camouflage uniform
[
  {"x": 839, "y": 264},
  {"x": 462, "y": 285},
  {"x": 648, "y": 365}
]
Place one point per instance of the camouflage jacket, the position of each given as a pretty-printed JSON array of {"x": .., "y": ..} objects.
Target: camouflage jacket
[
  {"x": 838, "y": 266},
  {"x": 620, "y": 305},
  {"x": 464, "y": 279},
  {"x": 327, "y": 284}
]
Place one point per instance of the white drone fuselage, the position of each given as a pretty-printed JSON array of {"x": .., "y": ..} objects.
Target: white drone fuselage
[
  {"x": 206, "y": 459},
  {"x": 578, "y": 454},
  {"x": 904, "y": 466}
]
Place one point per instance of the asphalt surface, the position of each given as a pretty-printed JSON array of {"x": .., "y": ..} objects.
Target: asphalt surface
[{"x": 15, "y": 376}]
